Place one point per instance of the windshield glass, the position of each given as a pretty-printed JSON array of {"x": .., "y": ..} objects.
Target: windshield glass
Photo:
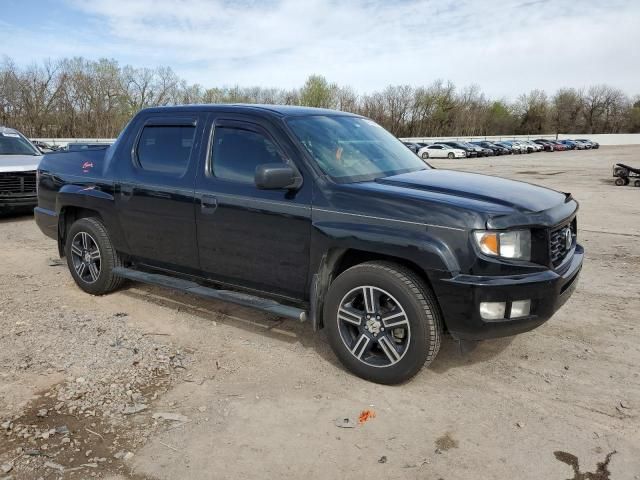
[
  {"x": 353, "y": 149},
  {"x": 14, "y": 144}
]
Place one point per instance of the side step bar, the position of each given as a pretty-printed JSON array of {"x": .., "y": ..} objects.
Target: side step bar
[{"x": 267, "y": 305}]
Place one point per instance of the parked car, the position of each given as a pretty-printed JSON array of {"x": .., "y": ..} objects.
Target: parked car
[
  {"x": 585, "y": 143},
  {"x": 506, "y": 146},
  {"x": 315, "y": 215},
  {"x": 496, "y": 149},
  {"x": 44, "y": 147},
  {"x": 533, "y": 145},
  {"x": 19, "y": 159},
  {"x": 524, "y": 146},
  {"x": 558, "y": 145},
  {"x": 589, "y": 142},
  {"x": 484, "y": 151},
  {"x": 468, "y": 149},
  {"x": 515, "y": 146},
  {"x": 477, "y": 148},
  {"x": 570, "y": 144},
  {"x": 546, "y": 144},
  {"x": 578, "y": 145},
  {"x": 441, "y": 151},
  {"x": 414, "y": 147}
]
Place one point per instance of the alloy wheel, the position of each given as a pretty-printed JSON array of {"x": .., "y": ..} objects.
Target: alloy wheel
[
  {"x": 373, "y": 326},
  {"x": 86, "y": 258}
]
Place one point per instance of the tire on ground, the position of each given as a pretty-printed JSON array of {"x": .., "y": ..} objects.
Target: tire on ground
[
  {"x": 109, "y": 258},
  {"x": 415, "y": 297}
]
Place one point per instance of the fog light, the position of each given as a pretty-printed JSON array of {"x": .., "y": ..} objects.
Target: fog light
[
  {"x": 492, "y": 310},
  {"x": 521, "y": 308}
]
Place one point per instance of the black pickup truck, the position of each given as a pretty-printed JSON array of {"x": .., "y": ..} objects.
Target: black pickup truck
[{"x": 315, "y": 215}]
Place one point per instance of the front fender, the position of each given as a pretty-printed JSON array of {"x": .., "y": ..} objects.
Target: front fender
[{"x": 430, "y": 248}]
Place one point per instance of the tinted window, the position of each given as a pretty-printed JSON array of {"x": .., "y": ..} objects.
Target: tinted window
[
  {"x": 166, "y": 148},
  {"x": 236, "y": 153}
]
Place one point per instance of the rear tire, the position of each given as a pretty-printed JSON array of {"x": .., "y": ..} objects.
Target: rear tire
[
  {"x": 91, "y": 257},
  {"x": 372, "y": 296},
  {"x": 619, "y": 182}
]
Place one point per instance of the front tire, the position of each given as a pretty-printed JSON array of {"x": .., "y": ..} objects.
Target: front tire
[
  {"x": 91, "y": 257},
  {"x": 451, "y": 156},
  {"x": 382, "y": 321},
  {"x": 425, "y": 155}
]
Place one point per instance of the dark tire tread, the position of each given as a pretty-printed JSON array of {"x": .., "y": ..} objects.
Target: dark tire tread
[
  {"x": 423, "y": 294},
  {"x": 110, "y": 257},
  {"x": 423, "y": 306}
]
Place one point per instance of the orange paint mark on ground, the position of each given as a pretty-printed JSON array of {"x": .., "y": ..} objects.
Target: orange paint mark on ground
[{"x": 365, "y": 416}]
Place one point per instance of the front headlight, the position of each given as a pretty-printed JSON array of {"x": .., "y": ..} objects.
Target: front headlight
[{"x": 515, "y": 244}]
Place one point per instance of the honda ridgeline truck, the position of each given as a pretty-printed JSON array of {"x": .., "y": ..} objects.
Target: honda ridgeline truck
[{"x": 316, "y": 215}]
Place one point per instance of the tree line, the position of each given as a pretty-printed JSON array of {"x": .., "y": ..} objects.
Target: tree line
[{"x": 77, "y": 97}]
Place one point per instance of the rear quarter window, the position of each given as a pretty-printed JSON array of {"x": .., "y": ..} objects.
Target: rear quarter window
[{"x": 165, "y": 148}]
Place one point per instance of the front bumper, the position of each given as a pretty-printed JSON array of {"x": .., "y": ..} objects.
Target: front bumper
[
  {"x": 460, "y": 299},
  {"x": 17, "y": 200}
]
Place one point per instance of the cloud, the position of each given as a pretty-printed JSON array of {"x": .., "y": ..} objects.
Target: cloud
[{"x": 504, "y": 47}]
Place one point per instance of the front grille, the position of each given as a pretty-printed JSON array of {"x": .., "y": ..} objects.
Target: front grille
[
  {"x": 560, "y": 243},
  {"x": 12, "y": 183}
]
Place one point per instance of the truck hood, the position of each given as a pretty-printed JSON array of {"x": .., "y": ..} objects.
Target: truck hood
[
  {"x": 19, "y": 163},
  {"x": 519, "y": 196}
]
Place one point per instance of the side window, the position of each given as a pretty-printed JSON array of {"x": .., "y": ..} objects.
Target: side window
[
  {"x": 236, "y": 153},
  {"x": 166, "y": 148}
]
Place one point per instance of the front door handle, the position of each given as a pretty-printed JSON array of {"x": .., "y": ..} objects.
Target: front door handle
[{"x": 208, "y": 204}]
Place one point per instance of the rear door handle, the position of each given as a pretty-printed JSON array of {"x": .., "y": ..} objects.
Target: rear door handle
[{"x": 208, "y": 204}]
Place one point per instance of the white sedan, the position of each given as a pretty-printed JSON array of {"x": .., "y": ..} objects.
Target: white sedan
[{"x": 441, "y": 151}]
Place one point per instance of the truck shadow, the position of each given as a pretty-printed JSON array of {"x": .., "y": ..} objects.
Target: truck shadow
[
  {"x": 451, "y": 357},
  {"x": 290, "y": 331}
]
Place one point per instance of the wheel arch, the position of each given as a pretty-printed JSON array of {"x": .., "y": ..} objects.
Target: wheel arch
[
  {"x": 337, "y": 260},
  {"x": 67, "y": 216}
]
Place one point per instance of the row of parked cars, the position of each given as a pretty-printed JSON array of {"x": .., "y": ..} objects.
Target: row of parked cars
[{"x": 485, "y": 148}]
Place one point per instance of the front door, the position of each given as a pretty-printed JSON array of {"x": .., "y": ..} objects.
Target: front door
[
  {"x": 246, "y": 236},
  {"x": 155, "y": 191}
]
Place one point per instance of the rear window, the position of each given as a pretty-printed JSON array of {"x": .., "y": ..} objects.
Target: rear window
[{"x": 166, "y": 148}]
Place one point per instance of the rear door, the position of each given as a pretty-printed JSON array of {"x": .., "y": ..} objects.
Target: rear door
[
  {"x": 248, "y": 237},
  {"x": 155, "y": 191}
]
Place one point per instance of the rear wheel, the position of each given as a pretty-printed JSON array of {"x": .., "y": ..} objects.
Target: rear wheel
[
  {"x": 91, "y": 257},
  {"x": 619, "y": 181},
  {"x": 382, "y": 322}
]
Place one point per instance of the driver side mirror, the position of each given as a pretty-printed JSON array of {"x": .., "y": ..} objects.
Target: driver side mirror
[{"x": 277, "y": 176}]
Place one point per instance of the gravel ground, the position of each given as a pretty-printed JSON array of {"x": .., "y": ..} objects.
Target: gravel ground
[{"x": 149, "y": 383}]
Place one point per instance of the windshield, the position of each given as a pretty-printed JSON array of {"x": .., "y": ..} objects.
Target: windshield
[
  {"x": 353, "y": 149},
  {"x": 14, "y": 144}
]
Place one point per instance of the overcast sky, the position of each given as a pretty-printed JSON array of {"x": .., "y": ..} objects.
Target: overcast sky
[{"x": 504, "y": 47}]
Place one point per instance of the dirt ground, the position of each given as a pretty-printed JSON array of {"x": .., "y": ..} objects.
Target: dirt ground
[{"x": 150, "y": 384}]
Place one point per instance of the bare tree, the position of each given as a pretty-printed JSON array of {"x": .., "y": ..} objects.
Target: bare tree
[{"x": 77, "y": 97}]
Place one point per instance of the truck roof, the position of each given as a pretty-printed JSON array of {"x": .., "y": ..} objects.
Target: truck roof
[{"x": 280, "y": 110}]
